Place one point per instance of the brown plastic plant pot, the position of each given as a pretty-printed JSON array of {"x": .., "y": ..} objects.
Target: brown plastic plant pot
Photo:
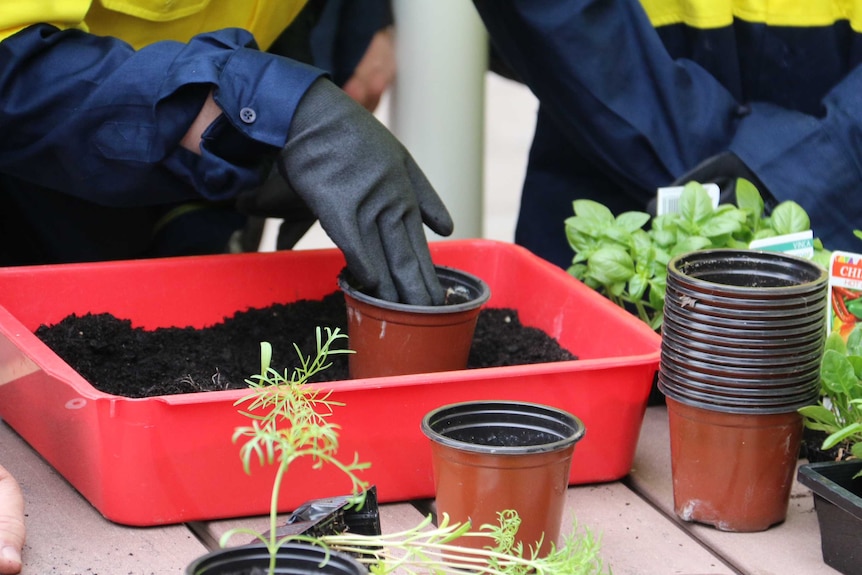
[
  {"x": 495, "y": 456},
  {"x": 732, "y": 471},
  {"x": 391, "y": 338}
]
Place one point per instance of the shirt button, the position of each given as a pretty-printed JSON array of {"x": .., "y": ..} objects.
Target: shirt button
[{"x": 248, "y": 115}]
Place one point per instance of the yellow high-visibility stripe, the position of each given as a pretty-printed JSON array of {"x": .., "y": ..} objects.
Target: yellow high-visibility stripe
[
  {"x": 156, "y": 10},
  {"x": 16, "y": 16},
  {"x": 720, "y": 13},
  {"x": 141, "y": 22}
]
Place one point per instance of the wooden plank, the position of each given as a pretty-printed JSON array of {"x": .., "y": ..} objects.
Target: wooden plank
[
  {"x": 791, "y": 548},
  {"x": 68, "y": 536},
  {"x": 635, "y": 538}
]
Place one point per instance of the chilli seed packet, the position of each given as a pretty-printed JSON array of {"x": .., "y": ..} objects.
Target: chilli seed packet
[{"x": 845, "y": 292}]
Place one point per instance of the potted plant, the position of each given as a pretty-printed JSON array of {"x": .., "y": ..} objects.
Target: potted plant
[
  {"x": 837, "y": 489},
  {"x": 392, "y": 338},
  {"x": 618, "y": 257},
  {"x": 838, "y": 414},
  {"x": 835, "y": 476},
  {"x": 289, "y": 421}
]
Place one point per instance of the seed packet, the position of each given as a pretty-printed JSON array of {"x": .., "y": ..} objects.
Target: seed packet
[
  {"x": 800, "y": 244},
  {"x": 667, "y": 199},
  {"x": 845, "y": 292}
]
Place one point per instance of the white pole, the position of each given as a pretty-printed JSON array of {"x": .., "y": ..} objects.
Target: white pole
[{"x": 437, "y": 105}]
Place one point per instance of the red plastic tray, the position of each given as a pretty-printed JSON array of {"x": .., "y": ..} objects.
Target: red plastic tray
[{"x": 170, "y": 459}]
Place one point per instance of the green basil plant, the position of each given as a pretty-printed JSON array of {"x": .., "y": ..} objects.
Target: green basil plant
[{"x": 626, "y": 260}]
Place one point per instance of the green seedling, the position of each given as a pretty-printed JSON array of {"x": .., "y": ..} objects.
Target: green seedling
[
  {"x": 430, "y": 549},
  {"x": 839, "y": 411},
  {"x": 290, "y": 420},
  {"x": 626, "y": 260}
]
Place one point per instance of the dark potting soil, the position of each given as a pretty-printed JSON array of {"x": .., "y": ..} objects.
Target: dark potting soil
[
  {"x": 120, "y": 359},
  {"x": 812, "y": 450}
]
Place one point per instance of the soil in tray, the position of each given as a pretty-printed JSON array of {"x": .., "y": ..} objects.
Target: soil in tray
[{"x": 117, "y": 358}]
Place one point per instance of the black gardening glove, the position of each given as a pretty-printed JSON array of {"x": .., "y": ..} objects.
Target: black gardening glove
[
  {"x": 367, "y": 191},
  {"x": 723, "y": 170}
]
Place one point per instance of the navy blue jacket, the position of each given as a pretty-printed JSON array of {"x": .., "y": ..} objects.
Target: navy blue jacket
[
  {"x": 89, "y": 156},
  {"x": 90, "y": 167},
  {"x": 628, "y": 105}
]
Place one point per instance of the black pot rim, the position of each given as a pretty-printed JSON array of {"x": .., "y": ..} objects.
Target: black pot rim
[
  {"x": 756, "y": 333},
  {"x": 742, "y": 321},
  {"x": 479, "y": 292},
  {"x": 738, "y": 339},
  {"x": 744, "y": 407},
  {"x": 534, "y": 416},
  {"x": 256, "y": 554},
  {"x": 682, "y": 266},
  {"x": 769, "y": 307},
  {"x": 725, "y": 392},
  {"x": 708, "y": 345},
  {"x": 719, "y": 364}
]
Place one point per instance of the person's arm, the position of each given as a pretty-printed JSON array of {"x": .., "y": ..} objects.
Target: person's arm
[
  {"x": 601, "y": 71},
  {"x": 814, "y": 161},
  {"x": 375, "y": 71},
  {"x": 354, "y": 41},
  {"x": 208, "y": 114},
  {"x": 90, "y": 116},
  {"x": 12, "y": 529}
]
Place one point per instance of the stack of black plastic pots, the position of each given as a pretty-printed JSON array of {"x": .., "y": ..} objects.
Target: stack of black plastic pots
[{"x": 743, "y": 331}]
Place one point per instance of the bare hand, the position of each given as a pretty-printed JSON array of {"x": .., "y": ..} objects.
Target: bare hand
[
  {"x": 12, "y": 529},
  {"x": 375, "y": 71}
]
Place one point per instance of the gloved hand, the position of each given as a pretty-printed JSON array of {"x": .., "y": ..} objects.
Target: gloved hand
[
  {"x": 723, "y": 170},
  {"x": 367, "y": 191}
]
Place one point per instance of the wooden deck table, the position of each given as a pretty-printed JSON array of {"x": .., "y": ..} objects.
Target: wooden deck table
[{"x": 634, "y": 517}]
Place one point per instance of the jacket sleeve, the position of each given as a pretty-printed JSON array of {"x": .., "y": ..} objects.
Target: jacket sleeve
[
  {"x": 601, "y": 71},
  {"x": 814, "y": 161},
  {"x": 90, "y": 116}
]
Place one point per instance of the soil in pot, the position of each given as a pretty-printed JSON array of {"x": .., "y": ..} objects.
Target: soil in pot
[{"x": 173, "y": 360}]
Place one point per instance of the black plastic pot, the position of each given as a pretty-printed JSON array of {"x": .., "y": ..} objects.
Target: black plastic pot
[
  {"x": 293, "y": 559},
  {"x": 838, "y": 502}
]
